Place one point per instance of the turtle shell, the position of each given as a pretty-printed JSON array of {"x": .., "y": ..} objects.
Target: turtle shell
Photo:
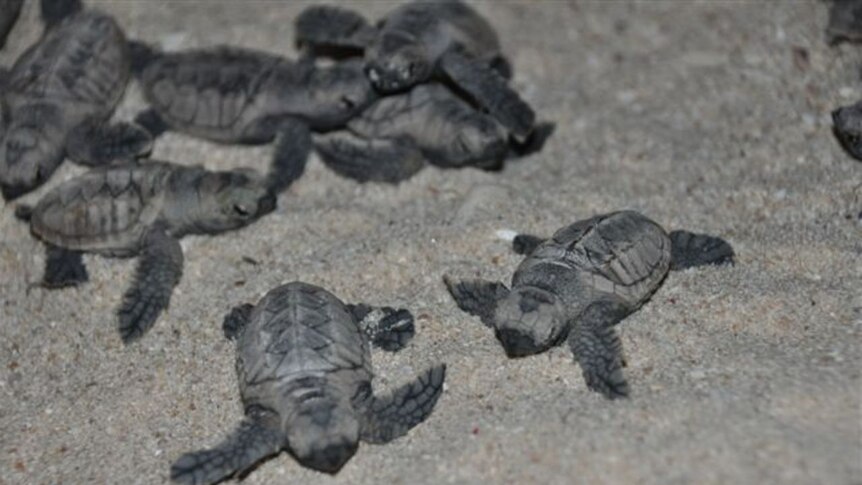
[
  {"x": 84, "y": 59},
  {"x": 211, "y": 93},
  {"x": 299, "y": 332},
  {"x": 105, "y": 209},
  {"x": 622, "y": 253}
]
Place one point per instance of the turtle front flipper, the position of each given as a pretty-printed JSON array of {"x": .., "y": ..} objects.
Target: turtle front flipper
[
  {"x": 292, "y": 146},
  {"x": 377, "y": 160},
  {"x": 63, "y": 268},
  {"x": 158, "y": 271},
  {"x": 236, "y": 320},
  {"x": 153, "y": 122},
  {"x": 94, "y": 143},
  {"x": 491, "y": 91},
  {"x": 534, "y": 142},
  {"x": 393, "y": 416},
  {"x": 328, "y": 26},
  {"x": 386, "y": 328},
  {"x": 689, "y": 249},
  {"x": 526, "y": 243},
  {"x": 598, "y": 349},
  {"x": 477, "y": 297},
  {"x": 250, "y": 443}
]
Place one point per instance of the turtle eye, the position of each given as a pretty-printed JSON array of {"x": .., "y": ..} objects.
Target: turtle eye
[
  {"x": 347, "y": 104},
  {"x": 240, "y": 210}
]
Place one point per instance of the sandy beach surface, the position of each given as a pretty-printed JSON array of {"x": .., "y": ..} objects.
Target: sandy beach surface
[{"x": 711, "y": 116}]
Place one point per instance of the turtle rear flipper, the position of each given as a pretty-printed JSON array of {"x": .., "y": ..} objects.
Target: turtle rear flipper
[
  {"x": 393, "y": 416},
  {"x": 236, "y": 320},
  {"x": 598, "y": 349},
  {"x": 477, "y": 297},
  {"x": 689, "y": 249},
  {"x": 534, "y": 142},
  {"x": 526, "y": 243},
  {"x": 250, "y": 443},
  {"x": 159, "y": 270},
  {"x": 94, "y": 143},
  {"x": 63, "y": 268},
  {"x": 386, "y": 328},
  {"x": 363, "y": 160},
  {"x": 491, "y": 91},
  {"x": 150, "y": 120},
  {"x": 293, "y": 144},
  {"x": 54, "y": 11},
  {"x": 329, "y": 26},
  {"x": 141, "y": 55}
]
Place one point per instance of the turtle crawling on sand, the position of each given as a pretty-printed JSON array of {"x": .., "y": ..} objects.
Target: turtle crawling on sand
[
  {"x": 9, "y": 11},
  {"x": 420, "y": 41},
  {"x": 234, "y": 95},
  {"x": 394, "y": 137},
  {"x": 305, "y": 374},
  {"x": 58, "y": 96},
  {"x": 579, "y": 284},
  {"x": 141, "y": 210},
  {"x": 847, "y": 126}
]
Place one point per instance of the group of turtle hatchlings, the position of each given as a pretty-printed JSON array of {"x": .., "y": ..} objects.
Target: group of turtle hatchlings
[{"x": 425, "y": 84}]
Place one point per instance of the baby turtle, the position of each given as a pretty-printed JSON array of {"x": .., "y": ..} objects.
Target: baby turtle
[
  {"x": 305, "y": 373},
  {"x": 58, "y": 96},
  {"x": 847, "y": 126},
  {"x": 580, "y": 283},
  {"x": 845, "y": 22},
  {"x": 141, "y": 210},
  {"x": 233, "y": 95},
  {"x": 9, "y": 11},
  {"x": 393, "y": 138},
  {"x": 419, "y": 41}
]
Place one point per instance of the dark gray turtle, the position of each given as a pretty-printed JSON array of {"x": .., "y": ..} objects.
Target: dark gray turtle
[
  {"x": 580, "y": 283},
  {"x": 845, "y": 21},
  {"x": 419, "y": 41},
  {"x": 394, "y": 137},
  {"x": 141, "y": 210},
  {"x": 58, "y": 96},
  {"x": 305, "y": 373},
  {"x": 9, "y": 11},
  {"x": 847, "y": 126},
  {"x": 228, "y": 94}
]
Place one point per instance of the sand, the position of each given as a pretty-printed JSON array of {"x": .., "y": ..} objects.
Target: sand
[{"x": 709, "y": 116}]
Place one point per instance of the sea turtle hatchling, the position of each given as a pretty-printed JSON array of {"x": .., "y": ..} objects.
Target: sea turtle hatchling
[
  {"x": 419, "y": 41},
  {"x": 394, "y": 137},
  {"x": 579, "y": 284},
  {"x": 131, "y": 209},
  {"x": 847, "y": 126},
  {"x": 234, "y": 95},
  {"x": 9, "y": 11},
  {"x": 305, "y": 374},
  {"x": 58, "y": 96}
]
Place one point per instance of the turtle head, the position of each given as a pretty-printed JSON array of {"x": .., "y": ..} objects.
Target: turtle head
[
  {"x": 338, "y": 93},
  {"x": 30, "y": 148},
  {"x": 231, "y": 200},
  {"x": 322, "y": 434},
  {"x": 529, "y": 321},
  {"x": 847, "y": 125},
  {"x": 397, "y": 62}
]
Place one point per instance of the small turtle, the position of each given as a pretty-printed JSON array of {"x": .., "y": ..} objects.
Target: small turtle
[
  {"x": 9, "y": 11},
  {"x": 58, "y": 96},
  {"x": 580, "y": 283},
  {"x": 845, "y": 22},
  {"x": 131, "y": 209},
  {"x": 847, "y": 126},
  {"x": 229, "y": 94},
  {"x": 394, "y": 137},
  {"x": 305, "y": 373},
  {"x": 419, "y": 41}
]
